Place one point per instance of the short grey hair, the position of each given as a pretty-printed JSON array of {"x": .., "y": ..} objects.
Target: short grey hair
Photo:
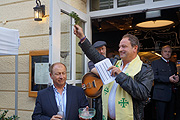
[{"x": 166, "y": 46}]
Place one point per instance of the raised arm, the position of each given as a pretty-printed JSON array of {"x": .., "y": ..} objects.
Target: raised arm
[{"x": 86, "y": 46}]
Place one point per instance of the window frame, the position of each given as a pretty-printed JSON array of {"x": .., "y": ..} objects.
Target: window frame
[
  {"x": 34, "y": 53},
  {"x": 149, "y": 5},
  {"x": 56, "y": 7}
]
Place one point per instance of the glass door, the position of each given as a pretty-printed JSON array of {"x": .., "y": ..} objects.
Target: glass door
[{"x": 63, "y": 43}]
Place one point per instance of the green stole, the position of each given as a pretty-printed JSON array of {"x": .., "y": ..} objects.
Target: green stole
[{"x": 123, "y": 101}]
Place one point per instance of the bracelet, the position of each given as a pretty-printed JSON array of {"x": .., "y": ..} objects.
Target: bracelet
[{"x": 82, "y": 38}]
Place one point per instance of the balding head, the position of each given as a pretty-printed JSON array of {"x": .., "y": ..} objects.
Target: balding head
[{"x": 52, "y": 66}]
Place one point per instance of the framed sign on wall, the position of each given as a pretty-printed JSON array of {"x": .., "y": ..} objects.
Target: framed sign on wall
[{"x": 38, "y": 71}]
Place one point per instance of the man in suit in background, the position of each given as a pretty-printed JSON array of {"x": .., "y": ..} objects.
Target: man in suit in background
[
  {"x": 165, "y": 76},
  {"x": 60, "y": 97},
  {"x": 177, "y": 92}
]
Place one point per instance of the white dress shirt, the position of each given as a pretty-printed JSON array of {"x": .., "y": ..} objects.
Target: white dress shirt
[
  {"x": 112, "y": 95},
  {"x": 61, "y": 99}
]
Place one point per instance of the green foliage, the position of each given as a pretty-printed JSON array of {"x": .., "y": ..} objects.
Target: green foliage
[
  {"x": 75, "y": 16},
  {"x": 3, "y": 116}
]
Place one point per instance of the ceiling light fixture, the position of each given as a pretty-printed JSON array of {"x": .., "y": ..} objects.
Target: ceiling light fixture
[
  {"x": 99, "y": 24},
  {"x": 156, "y": 24}
]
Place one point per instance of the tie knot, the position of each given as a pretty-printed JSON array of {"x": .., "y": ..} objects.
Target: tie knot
[{"x": 168, "y": 62}]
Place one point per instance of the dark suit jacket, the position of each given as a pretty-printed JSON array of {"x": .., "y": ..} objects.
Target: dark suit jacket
[
  {"x": 162, "y": 85},
  {"x": 46, "y": 105}
]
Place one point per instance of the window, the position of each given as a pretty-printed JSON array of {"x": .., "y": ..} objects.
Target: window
[
  {"x": 65, "y": 44},
  {"x": 70, "y": 52},
  {"x": 157, "y": 0},
  {"x": 79, "y": 58},
  {"x": 100, "y": 4},
  {"x": 122, "y": 3},
  {"x": 36, "y": 57}
]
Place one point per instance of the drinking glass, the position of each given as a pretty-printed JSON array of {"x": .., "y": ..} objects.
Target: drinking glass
[
  {"x": 61, "y": 113},
  {"x": 87, "y": 113}
]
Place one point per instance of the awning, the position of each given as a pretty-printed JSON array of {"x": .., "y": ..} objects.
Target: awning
[{"x": 9, "y": 41}]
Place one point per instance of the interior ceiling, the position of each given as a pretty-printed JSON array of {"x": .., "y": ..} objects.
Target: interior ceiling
[
  {"x": 128, "y": 22},
  {"x": 150, "y": 39}
]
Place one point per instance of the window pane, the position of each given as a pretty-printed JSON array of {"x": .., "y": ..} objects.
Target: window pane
[
  {"x": 38, "y": 59},
  {"x": 79, "y": 58},
  {"x": 100, "y": 4},
  {"x": 122, "y": 3},
  {"x": 79, "y": 85},
  {"x": 157, "y": 0},
  {"x": 66, "y": 42}
]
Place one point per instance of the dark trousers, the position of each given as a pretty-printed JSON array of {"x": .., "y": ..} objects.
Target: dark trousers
[
  {"x": 109, "y": 118},
  {"x": 97, "y": 104},
  {"x": 177, "y": 103},
  {"x": 165, "y": 110}
]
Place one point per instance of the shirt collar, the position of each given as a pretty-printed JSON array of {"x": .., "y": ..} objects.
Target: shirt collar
[
  {"x": 124, "y": 67},
  {"x": 55, "y": 89}
]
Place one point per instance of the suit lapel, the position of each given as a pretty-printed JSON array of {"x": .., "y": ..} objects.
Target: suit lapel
[
  {"x": 52, "y": 99},
  {"x": 69, "y": 100}
]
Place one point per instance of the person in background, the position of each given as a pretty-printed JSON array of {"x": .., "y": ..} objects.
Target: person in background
[
  {"x": 174, "y": 57},
  {"x": 59, "y": 98},
  {"x": 177, "y": 91},
  {"x": 165, "y": 77},
  {"x": 101, "y": 48},
  {"x": 125, "y": 97},
  {"x": 97, "y": 102}
]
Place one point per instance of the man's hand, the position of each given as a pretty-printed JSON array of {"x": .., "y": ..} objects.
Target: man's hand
[
  {"x": 78, "y": 31},
  {"x": 174, "y": 78},
  {"x": 94, "y": 70},
  {"x": 115, "y": 70},
  {"x": 84, "y": 119},
  {"x": 56, "y": 117}
]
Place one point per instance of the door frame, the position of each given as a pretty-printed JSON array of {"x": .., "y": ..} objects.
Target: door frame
[
  {"x": 56, "y": 7},
  {"x": 149, "y": 5}
]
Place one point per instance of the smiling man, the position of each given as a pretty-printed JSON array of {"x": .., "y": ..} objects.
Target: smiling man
[
  {"x": 59, "y": 98},
  {"x": 124, "y": 98},
  {"x": 165, "y": 77}
]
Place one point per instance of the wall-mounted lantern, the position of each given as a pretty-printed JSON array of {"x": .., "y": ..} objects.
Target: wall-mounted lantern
[{"x": 39, "y": 11}]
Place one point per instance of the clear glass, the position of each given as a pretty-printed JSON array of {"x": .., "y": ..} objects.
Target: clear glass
[
  {"x": 38, "y": 59},
  {"x": 87, "y": 113},
  {"x": 79, "y": 58},
  {"x": 38, "y": 13},
  {"x": 122, "y": 3},
  {"x": 61, "y": 113},
  {"x": 65, "y": 49},
  {"x": 100, "y": 4}
]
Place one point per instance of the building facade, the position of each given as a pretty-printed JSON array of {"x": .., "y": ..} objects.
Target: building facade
[
  {"x": 52, "y": 40},
  {"x": 34, "y": 39}
]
